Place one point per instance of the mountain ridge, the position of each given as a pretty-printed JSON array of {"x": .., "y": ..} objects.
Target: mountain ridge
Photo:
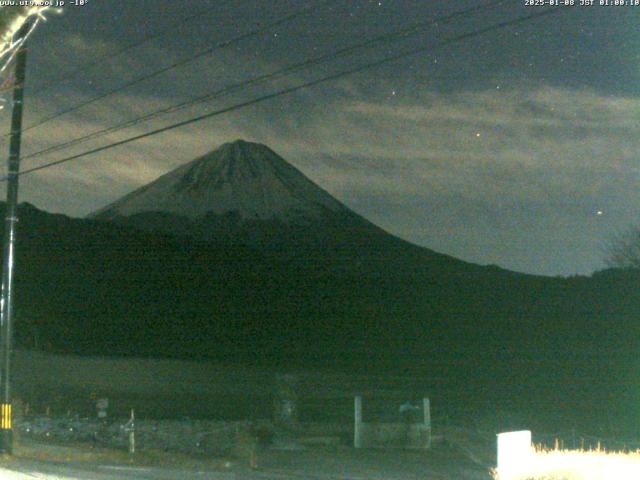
[
  {"x": 245, "y": 193},
  {"x": 243, "y": 177},
  {"x": 90, "y": 287}
]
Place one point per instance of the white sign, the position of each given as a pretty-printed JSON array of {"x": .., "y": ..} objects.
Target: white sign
[
  {"x": 514, "y": 454},
  {"x": 102, "y": 404}
]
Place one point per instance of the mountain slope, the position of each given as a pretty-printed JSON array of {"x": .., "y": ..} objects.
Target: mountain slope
[
  {"x": 245, "y": 194},
  {"x": 480, "y": 333},
  {"x": 246, "y": 178}
]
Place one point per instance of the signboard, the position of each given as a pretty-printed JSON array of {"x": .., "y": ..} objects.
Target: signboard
[{"x": 102, "y": 405}]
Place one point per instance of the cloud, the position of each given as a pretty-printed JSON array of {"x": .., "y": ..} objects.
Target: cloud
[
  {"x": 477, "y": 173},
  {"x": 566, "y": 142},
  {"x": 513, "y": 176},
  {"x": 82, "y": 46}
]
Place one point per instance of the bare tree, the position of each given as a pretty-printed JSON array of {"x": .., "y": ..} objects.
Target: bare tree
[{"x": 624, "y": 250}]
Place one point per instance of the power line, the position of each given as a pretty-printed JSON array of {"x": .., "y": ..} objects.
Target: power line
[
  {"x": 179, "y": 63},
  {"x": 289, "y": 90},
  {"x": 145, "y": 39},
  {"x": 390, "y": 36},
  {"x": 285, "y": 91}
]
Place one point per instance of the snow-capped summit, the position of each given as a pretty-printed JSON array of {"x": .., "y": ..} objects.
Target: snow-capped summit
[{"x": 243, "y": 178}]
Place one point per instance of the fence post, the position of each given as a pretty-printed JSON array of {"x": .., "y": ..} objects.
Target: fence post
[
  {"x": 132, "y": 433},
  {"x": 426, "y": 410},
  {"x": 357, "y": 432},
  {"x": 426, "y": 407},
  {"x": 286, "y": 401}
]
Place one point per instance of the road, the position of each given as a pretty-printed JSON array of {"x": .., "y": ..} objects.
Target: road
[
  {"x": 348, "y": 465},
  {"x": 30, "y": 470},
  {"x": 66, "y": 462}
]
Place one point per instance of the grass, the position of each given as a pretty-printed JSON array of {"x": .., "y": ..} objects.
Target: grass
[{"x": 598, "y": 464}]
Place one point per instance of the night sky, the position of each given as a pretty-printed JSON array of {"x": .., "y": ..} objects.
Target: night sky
[{"x": 517, "y": 148}]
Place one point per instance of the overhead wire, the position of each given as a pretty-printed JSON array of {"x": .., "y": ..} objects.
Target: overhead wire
[
  {"x": 113, "y": 54},
  {"x": 285, "y": 91},
  {"x": 389, "y": 36},
  {"x": 180, "y": 63}
]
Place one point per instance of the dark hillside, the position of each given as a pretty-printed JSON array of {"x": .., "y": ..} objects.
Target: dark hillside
[{"x": 90, "y": 287}]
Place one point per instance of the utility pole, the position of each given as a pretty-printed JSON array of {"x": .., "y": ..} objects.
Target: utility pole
[{"x": 8, "y": 261}]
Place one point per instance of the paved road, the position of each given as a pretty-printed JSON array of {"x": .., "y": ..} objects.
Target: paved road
[
  {"x": 57, "y": 471},
  {"x": 311, "y": 464},
  {"x": 60, "y": 472}
]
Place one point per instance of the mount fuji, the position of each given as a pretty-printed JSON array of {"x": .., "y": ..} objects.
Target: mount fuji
[
  {"x": 246, "y": 193},
  {"x": 247, "y": 179}
]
